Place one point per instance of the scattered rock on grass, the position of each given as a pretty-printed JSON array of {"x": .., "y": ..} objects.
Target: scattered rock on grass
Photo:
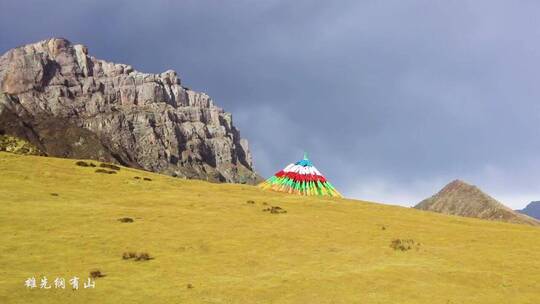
[
  {"x": 129, "y": 255},
  {"x": 96, "y": 274},
  {"x": 84, "y": 164},
  {"x": 125, "y": 220},
  {"x": 109, "y": 166},
  {"x": 143, "y": 256},
  {"x": 147, "y": 179},
  {"x": 105, "y": 171},
  {"x": 404, "y": 244},
  {"x": 275, "y": 210}
]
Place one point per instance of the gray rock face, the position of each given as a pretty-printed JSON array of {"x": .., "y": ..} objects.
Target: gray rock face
[{"x": 70, "y": 104}]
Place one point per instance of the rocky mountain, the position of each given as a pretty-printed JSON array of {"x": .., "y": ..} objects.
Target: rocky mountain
[
  {"x": 460, "y": 198},
  {"x": 70, "y": 104},
  {"x": 532, "y": 210}
]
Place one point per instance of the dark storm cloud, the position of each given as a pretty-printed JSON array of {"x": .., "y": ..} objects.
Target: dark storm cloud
[{"x": 391, "y": 99}]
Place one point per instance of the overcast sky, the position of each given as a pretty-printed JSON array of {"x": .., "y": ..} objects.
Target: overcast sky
[{"x": 391, "y": 99}]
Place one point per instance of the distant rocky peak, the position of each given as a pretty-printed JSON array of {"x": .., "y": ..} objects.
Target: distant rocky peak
[
  {"x": 463, "y": 199},
  {"x": 457, "y": 184},
  {"x": 532, "y": 210}
]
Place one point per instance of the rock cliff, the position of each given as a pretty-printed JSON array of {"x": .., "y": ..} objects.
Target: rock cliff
[{"x": 70, "y": 104}]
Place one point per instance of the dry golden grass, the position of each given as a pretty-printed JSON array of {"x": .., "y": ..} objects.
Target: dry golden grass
[{"x": 208, "y": 244}]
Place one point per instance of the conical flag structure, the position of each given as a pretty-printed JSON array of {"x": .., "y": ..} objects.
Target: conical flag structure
[{"x": 300, "y": 178}]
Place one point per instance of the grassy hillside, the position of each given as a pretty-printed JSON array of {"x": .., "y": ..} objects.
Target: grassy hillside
[
  {"x": 210, "y": 245},
  {"x": 18, "y": 146}
]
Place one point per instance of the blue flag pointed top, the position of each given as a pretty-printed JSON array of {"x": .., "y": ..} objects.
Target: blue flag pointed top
[{"x": 304, "y": 162}]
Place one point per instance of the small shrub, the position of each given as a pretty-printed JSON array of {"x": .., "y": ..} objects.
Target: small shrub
[
  {"x": 92, "y": 165},
  {"x": 265, "y": 203},
  {"x": 275, "y": 210},
  {"x": 109, "y": 166},
  {"x": 147, "y": 179},
  {"x": 137, "y": 177},
  {"x": 250, "y": 202},
  {"x": 189, "y": 286},
  {"x": 96, "y": 274},
  {"x": 55, "y": 194},
  {"x": 383, "y": 228},
  {"x": 82, "y": 164},
  {"x": 404, "y": 245},
  {"x": 105, "y": 171},
  {"x": 125, "y": 220}
]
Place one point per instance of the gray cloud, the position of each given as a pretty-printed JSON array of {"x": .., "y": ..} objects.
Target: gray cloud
[{"x": 392, "y": 99}]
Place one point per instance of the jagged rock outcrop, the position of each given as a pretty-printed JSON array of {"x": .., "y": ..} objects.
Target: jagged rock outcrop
[
  {"x": 70, "y": 104},
  {"x": 532, "y": 210},
  {"x": 460, "y": 198}
]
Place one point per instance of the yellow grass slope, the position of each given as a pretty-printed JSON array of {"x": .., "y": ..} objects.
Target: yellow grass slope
[{"x": 230, "y": 251}]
